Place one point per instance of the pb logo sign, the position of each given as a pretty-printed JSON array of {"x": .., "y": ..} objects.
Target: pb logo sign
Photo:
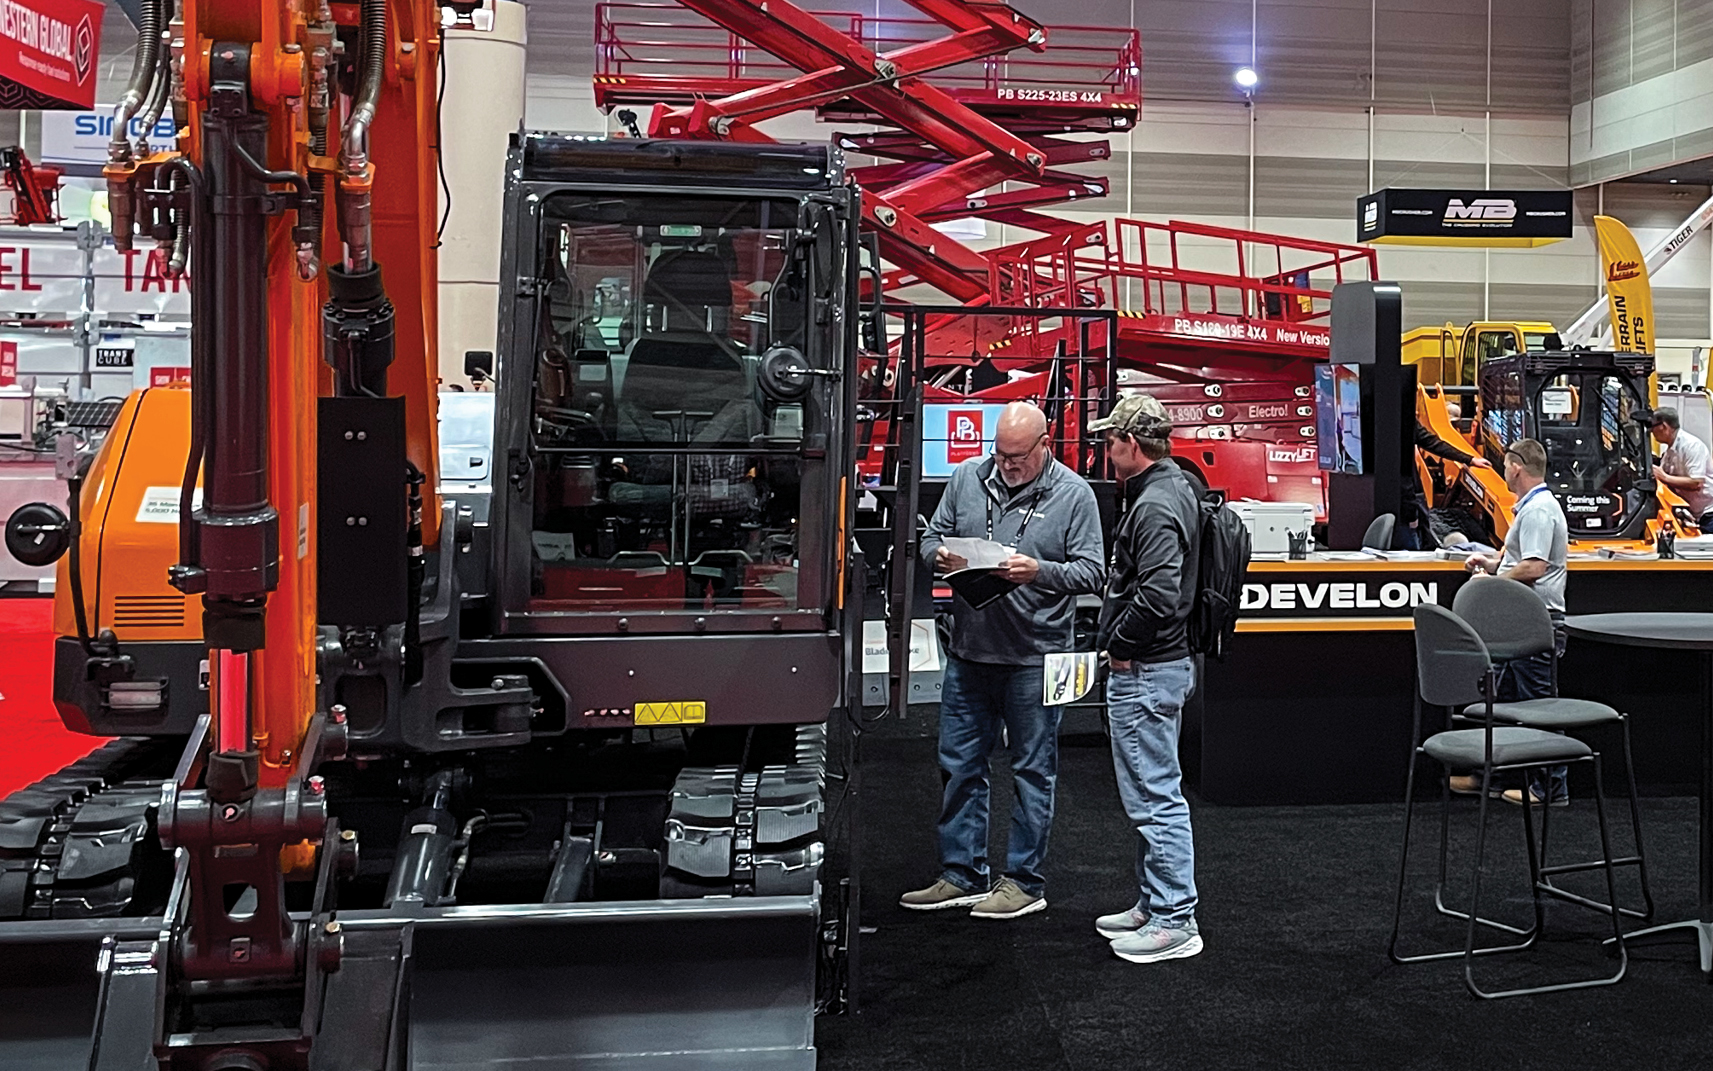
[{"x": 964, "y": 437}]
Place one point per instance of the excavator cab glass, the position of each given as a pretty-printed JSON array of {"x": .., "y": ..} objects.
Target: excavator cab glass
[
  {"x": 1589, "y": 410},
  {"x": 685, "y": 384},
  {"x": 1481, "y": 344}
]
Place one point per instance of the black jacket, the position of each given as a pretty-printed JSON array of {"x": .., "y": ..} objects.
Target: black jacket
[
  {"x": 1151, "y": 587},
  {"x": 1433, "y": 444}
]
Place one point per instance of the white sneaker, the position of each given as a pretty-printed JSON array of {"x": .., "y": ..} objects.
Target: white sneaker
[{"x": 1154, "y": 943}]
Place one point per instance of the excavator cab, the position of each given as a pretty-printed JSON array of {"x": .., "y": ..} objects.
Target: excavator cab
[
  {"x": 1590, "y": 410},
  {"x": 677, "y": 404}
]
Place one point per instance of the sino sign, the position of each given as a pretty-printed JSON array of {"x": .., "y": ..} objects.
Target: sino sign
[{"x": 82, "y": 137}]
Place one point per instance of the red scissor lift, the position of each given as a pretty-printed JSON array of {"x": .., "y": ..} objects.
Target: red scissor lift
[{"x": 982, "y": 113}]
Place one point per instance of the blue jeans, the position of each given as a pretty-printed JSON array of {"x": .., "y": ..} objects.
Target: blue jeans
[
  {"x": 1532, "y": 678},
  {"x": 976, "y": 699},
  {"x": 1145, "y": 707}
]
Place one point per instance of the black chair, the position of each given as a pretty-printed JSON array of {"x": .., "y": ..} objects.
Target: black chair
[
  {"x": 1453, "y": 671},
  {"x": 1513, "y": 622},
  {"x": 1379, "y": 533}
]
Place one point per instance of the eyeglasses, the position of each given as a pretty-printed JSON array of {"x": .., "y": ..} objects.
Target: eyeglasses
[{"x": 1016, "y": 459}]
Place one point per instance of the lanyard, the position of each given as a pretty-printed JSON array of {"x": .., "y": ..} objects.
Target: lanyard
[
  {"x": 1525, "y": 499},
  {"x": 1028, "y": 512}
]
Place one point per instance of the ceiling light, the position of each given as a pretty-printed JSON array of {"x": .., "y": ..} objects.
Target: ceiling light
[{"x": 1246, "y": 78}]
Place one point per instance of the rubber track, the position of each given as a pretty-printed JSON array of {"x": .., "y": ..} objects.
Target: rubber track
[{"x": 37, "y": 821}]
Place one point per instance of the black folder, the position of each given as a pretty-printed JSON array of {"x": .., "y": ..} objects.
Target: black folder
[{"x": 980, "y": 587}]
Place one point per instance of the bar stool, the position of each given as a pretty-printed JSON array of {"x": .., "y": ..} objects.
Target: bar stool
[
  {"x": 1514, "y": 623},
  {"x": 1454, "y": 670}
]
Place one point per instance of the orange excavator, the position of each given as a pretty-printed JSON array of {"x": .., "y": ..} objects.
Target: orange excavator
[{"x": 578, "y": 713}]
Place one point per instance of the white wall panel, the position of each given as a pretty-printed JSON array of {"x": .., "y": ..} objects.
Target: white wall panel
[
  {"x": 1188, "y": 157},
  {"x": 1311, "y": 133}
]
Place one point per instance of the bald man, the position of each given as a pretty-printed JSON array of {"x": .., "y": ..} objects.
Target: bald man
[{"x": 1024, "y": 499}]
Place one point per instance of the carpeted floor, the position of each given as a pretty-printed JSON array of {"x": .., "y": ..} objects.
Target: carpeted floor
[
  {"x": 1296, "y": 906},
  {"x": 35, "y": 743}
]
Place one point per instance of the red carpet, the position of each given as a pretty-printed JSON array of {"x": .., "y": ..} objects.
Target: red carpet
[{"x": 33, "y": 744}]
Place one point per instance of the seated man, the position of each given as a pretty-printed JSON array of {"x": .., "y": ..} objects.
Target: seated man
[{"x": 1536, "y": 549}]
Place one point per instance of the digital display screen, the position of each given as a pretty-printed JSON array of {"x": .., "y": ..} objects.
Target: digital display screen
[
  {"x": 952, "y": 434},
  {"x": 1338, "y": 418}
]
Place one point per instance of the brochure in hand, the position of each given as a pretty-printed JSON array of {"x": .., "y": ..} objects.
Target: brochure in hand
[{"x": 978, "y": 582}]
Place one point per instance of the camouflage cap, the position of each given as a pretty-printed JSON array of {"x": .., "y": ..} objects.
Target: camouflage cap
[{"x": 1140, "y": 415}]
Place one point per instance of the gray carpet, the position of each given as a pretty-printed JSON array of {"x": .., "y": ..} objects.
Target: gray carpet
[{"x": 1296, "y": 906}]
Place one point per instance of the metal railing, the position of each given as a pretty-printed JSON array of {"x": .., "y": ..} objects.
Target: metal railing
[
  {"x": 674, "y": 47},
  {"x": 1180, "y": 268}
]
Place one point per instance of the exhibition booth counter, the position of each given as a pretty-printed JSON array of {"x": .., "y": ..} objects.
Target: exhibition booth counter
[{"x": 1313, "y": 701}]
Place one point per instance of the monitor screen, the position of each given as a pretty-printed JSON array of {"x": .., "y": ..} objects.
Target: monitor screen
[
  {"x": 955, "y": 433},
  {"x": 1338, "y": 418}
]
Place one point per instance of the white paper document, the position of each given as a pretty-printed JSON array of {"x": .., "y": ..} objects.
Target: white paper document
[
  {"x": 980, "y": 553},
  {"x": 1068, "y": 678}
]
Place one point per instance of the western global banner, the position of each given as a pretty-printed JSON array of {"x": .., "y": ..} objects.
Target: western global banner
[
  {"x": 48, "y": 53},
  {"x": 1495, "y": 218}
]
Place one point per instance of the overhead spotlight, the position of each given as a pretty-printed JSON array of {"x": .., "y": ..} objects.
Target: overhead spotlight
[
  {"x": 1246, "y": 78},
  {"x": 1672, "y": 181}
]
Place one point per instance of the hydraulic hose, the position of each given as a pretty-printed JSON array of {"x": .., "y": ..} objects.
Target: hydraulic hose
[
  {"x": 372, "y": 45},
  {"x": 79, "y": 613},
  {"x": 145, "y": 69},
  {"x": 311, "y": 213},
  {"x": 161, "y": 89},
  {"x": 191, "y": 239},
  {"x": 354, "y": 221}
]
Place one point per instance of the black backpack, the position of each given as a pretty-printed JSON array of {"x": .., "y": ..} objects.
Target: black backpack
[{"x": 1222, "y": 567}]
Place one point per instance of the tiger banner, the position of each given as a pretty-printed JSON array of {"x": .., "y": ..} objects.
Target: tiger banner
[{"x": 1628, "y": 293}]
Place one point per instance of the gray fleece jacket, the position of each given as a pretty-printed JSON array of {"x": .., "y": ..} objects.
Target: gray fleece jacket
[{"x": 1055, "y": 521}]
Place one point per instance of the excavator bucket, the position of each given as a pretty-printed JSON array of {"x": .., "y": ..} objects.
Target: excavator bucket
[
  {"x": 657, "y": 985},
  {"x": 649, "y": 985},
  {"x": 49, "y": 989}
]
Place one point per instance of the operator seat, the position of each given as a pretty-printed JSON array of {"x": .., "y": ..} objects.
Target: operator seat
[
  {"x": 683, "y": 359},
  {"x": 686, "y": 381}
]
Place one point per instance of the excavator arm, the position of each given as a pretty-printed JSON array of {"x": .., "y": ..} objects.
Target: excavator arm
[{"x": 305, "y": 164}]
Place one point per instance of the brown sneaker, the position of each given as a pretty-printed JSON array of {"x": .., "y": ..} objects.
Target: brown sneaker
[
  {"x": 939, "y": 896},
  {"x": 1470, "y": 785},
  {"x": 1008, "y": 901}
]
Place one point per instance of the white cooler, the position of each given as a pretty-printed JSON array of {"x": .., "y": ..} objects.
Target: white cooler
[{"x": 1271, "y": 524}]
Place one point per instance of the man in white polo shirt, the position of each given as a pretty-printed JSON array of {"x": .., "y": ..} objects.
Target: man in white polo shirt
[{"x": 1686, "y": 466}]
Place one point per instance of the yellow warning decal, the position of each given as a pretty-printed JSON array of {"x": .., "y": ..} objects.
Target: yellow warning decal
[{"x": 689, "y": 713}]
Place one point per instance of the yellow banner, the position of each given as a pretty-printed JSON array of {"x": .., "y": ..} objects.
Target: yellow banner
[{"x": 1628, "y": 294}]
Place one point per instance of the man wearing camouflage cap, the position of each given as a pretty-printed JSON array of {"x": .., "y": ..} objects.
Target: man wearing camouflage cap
[{"x": 1150, "y": 590}]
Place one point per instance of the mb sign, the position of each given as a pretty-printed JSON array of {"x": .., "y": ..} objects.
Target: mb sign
[{"x": 82, "y": 137}]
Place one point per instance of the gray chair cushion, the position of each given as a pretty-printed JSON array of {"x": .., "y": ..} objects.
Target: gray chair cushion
[
  {"x": 1560, "y": 714},
  {"x": 1466, "y": 749}
]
